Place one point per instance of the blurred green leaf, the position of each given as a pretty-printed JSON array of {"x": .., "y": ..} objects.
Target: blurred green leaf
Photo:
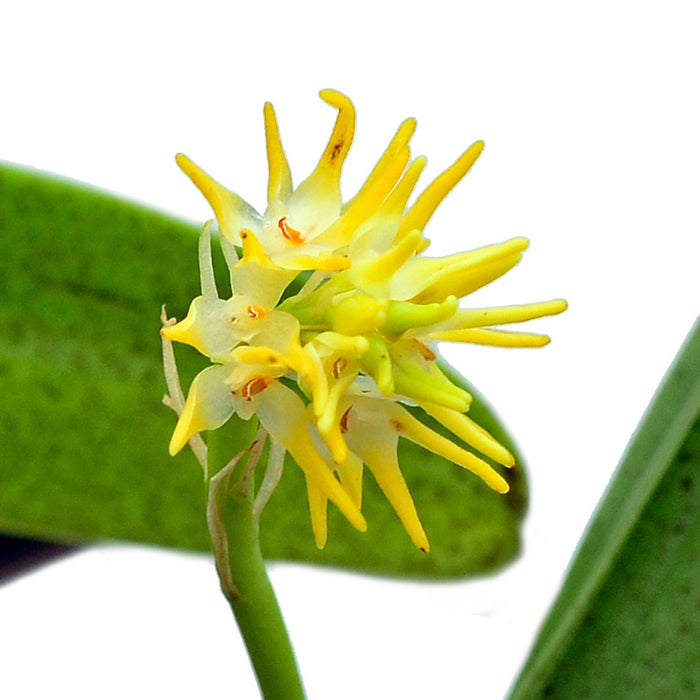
[
  {"x": 625, "y": 624},
  {"x": 83, "y": 433}
]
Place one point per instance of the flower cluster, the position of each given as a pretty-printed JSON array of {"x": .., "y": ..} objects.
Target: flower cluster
[{"x": 330, "y": 368}]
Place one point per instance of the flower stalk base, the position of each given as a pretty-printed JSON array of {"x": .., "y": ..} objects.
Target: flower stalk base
[{"x": 239, "y": 562}]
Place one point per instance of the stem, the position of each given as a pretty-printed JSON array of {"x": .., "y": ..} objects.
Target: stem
[{"x": 242, "y": 572}]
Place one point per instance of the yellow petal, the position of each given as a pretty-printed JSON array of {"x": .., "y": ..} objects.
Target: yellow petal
[
  {"x": 386, "y": 172},
  {"x": 232, "y": 212},
  {"x": 376, "y": 188}
]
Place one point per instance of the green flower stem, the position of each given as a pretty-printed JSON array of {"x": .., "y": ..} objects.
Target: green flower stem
[{"x": 241, "y": 568}]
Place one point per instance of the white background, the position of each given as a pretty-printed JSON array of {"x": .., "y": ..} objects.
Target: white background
[{"x": 590, "y": 115}]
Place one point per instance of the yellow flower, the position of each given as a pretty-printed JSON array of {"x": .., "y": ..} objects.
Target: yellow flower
[{"x": 356, "y": 331}]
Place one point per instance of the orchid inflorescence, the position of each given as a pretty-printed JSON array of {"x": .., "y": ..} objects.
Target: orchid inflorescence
[{"x": 329, "y": 335}]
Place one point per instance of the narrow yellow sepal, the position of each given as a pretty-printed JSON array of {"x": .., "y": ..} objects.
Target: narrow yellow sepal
[
  {"x": 395, "y": 203},
  {"x": 335, "y": 442},
  {"x": 469, "y": 431},
  {"x": 419, "y": 433},
  {"x": 280, "y": 178},
  {"x": 369, "y": 199},
  {"x": 232, "y": 212},
  {"x": 376, "y": 446},
  {"x": 386, "y": 471},
  {"x": 500, "y": 315},
  {"x": 283, "y": 415},
  {"x": 350, "y": 473},
  {"x": 318, "y": 508},
  {"x": 304, "y": 454},
  {"x": 324, "y": 182},
  {"x": 419, "y": 214},
  {"x": 381, "y": 181},
  {"x": 386, "y": 170},
  {"x": 493, "y": 337}
]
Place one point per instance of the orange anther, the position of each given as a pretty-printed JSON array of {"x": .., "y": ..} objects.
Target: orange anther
[
  {"x": 338, "y": 366},
  {"x": 344, "y": 421},
  {"x": 292, "y": 235},
  {"x": 255, "y": 386},
  {"x": 256, "y": 312},
  {"x": 424, "y": 350}
]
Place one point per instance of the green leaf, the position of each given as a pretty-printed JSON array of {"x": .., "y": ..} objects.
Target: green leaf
[
  {"x": 625, "y": 622},
  {"x": 83, "y": 432}
]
